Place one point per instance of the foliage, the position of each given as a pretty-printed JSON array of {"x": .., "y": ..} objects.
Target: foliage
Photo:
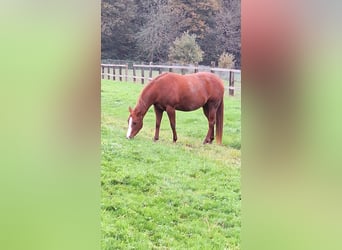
[
  {"x": 224, "y": 35},
  {"x": 185, "y": 50},
  {"x": 167, "y": 195},
  {"x": 144, "y": 30},
  {"x": 226, "y": 60},
  {"x": 117, "y": 29},
  {"x": 197, "y": 14},
  {"x": 160, "y": 30}
]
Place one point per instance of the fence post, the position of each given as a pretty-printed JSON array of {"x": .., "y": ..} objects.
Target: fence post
[
  {"x": 108, "y": 73},
  {"x": 182, "y": 71},
  {"x": 102, "y": 70},
  {"x": 120, "y": 73},
  {"x": 126, "y": 72},
  {"x": 196, "y": 67},
  {"x": 160, "y": 71},
  {"x": 150, "y": 73},
  {"x": 231, "y": 83},
  {"x": 134, "y": 75},
  {"x": 142, "y": 75},
  {"x": 170, "y": 70},
  {"x": 114, "y": 73}
]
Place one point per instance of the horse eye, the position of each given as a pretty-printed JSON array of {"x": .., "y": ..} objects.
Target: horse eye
[{"x": 134, "y": 123}]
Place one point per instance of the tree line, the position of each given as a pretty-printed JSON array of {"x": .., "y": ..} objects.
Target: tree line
[{"x": 146, "y": 30}]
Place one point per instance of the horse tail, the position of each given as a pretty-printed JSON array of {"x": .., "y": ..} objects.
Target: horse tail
[{"x": 219, "y": 123}]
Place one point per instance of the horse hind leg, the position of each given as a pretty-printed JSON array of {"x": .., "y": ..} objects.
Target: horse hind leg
[{"x": 210, "y": 113}]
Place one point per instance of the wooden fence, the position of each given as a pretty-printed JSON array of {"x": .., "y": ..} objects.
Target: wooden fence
[{"x": 121, "y": 72}]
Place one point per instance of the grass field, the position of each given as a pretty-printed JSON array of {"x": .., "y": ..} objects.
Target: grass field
[{"x": 165, "y": 195}]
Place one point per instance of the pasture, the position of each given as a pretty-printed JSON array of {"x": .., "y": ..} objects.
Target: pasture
[{"x": 165, "y": 195}]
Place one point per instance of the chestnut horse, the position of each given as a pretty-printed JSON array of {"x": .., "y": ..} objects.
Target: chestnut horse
[{"x": 170, "y": 92}]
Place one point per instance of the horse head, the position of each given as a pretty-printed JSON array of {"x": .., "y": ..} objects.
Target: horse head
[{"x": 135, "y": 123}]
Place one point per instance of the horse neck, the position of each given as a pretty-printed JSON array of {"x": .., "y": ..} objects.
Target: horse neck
[
  {"x": 143, "y": 105},
  {"x": 146, "y": 98}
]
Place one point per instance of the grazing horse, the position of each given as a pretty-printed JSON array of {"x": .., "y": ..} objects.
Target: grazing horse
[{"x": 170, "y": 92}]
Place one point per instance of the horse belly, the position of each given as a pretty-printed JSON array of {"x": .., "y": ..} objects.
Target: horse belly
[
  {"x": 190, "y": 103},
  {"x": 188, "y": 108}
]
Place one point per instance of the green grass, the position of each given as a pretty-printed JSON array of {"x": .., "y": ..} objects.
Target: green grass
[{"x": 165, "y": 195}]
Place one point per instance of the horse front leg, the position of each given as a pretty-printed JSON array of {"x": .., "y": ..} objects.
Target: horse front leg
[
  {"x": 171, "y": 112},
  {"x": 159, "y": 116}
]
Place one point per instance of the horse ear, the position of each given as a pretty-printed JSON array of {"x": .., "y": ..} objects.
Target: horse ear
[{"x": 130, "y": 109}]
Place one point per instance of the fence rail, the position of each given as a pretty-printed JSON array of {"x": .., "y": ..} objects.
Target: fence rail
[{"x": 148, "y": 72}]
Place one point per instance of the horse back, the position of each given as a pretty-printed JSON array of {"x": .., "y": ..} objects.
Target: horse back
[{"x": 188, "y": 92}]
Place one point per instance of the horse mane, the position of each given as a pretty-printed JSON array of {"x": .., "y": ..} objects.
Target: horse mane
[{"x": 141, "y": 104}]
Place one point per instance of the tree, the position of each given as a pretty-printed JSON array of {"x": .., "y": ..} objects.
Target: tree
[
  {"x": 185, "y": 50},
  {"x": 160, "y": 30},
  {"x": 117, "y": 28},
  {"x": 197, "y": 14},
  {"x": 228, "y": 30},
  {"x": 145, "y": 30},
  {"x": 161, "y": 21}
]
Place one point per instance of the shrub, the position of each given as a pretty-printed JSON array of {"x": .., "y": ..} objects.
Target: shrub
[
  {"x": 226, "y": 60},
  {"x": 185, "y": 50}
]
